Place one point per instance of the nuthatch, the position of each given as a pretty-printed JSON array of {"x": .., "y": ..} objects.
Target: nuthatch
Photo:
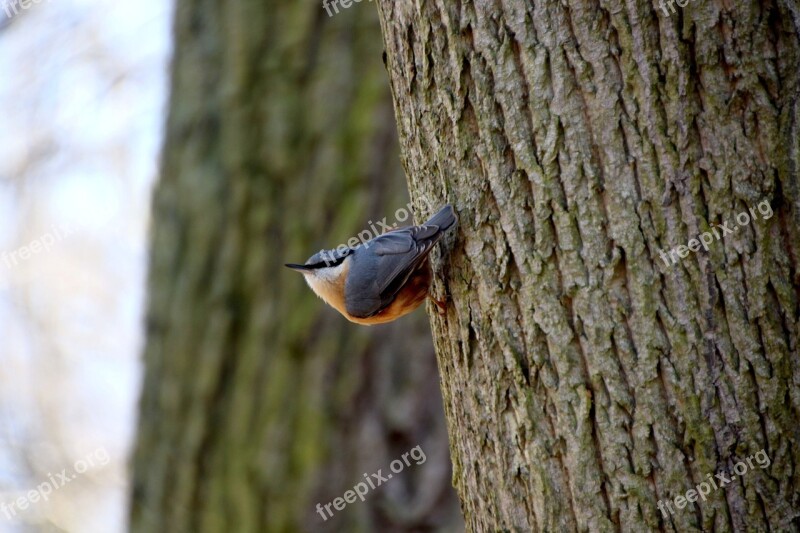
[{"x": 382, "y": 279}]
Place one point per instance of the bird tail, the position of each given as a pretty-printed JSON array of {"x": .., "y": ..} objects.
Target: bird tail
[{"x": 444, "y": 219}]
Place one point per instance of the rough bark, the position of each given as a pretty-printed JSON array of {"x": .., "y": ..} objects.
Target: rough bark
[
  {"x": 259, "y": 402},
  {"x": 584, "y": 379}
]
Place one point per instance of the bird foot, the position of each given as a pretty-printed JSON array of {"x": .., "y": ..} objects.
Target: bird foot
[{"x": 441, "y": 305}]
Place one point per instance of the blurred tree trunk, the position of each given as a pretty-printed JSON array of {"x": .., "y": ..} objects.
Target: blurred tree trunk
[
  {"x": 584, "y": 377},
  {"x": 259, "y": 402}
]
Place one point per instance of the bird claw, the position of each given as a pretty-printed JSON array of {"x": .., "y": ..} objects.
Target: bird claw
[{"x": 441, "y": 305}]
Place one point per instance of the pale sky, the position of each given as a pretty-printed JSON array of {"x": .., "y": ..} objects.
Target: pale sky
[{"x": 82, "y": 92}]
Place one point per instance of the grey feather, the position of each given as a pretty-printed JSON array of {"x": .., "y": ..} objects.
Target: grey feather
[{"x": 380, "y": 268}]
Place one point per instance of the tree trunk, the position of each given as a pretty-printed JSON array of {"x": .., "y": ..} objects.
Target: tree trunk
[
  {"x": 587, "y": 376},
  {"x": 259, "y": 402}
]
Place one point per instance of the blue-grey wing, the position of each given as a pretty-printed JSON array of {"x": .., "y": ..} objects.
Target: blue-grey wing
[{"x": 381, "y": 267}]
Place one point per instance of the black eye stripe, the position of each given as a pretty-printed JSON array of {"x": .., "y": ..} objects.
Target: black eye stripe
[
  {"x": 329, "y": 261},
  {"x": 328, "y": 258}
]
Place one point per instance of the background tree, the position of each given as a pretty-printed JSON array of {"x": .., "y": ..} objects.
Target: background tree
[
  {"x": 584, "y": 377},
  {"x": 259, "y": 402}
]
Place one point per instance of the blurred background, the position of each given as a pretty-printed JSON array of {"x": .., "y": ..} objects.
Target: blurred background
[
  {"x": 84, "y": 104},
  {"x": 83, "y": 85}
]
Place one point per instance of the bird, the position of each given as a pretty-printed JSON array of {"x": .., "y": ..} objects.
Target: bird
[{"x": 382, "y": 279}]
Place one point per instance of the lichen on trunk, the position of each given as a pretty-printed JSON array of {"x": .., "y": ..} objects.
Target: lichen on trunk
[{"x": 585, "y": 377}]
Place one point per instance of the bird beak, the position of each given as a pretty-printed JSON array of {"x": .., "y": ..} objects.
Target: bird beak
[{"x": 299, "y": 268}]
